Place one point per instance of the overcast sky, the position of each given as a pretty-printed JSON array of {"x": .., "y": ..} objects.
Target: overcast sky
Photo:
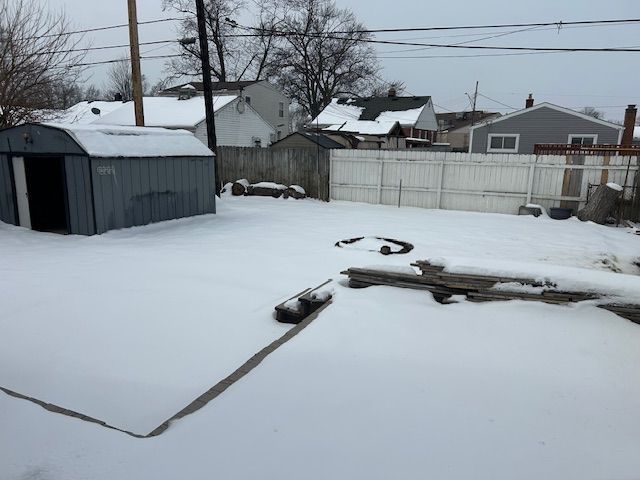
[{"x": 608, "y": 81}]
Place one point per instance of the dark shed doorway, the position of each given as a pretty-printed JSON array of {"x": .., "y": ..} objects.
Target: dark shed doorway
[{"x": 46, "y": 190}]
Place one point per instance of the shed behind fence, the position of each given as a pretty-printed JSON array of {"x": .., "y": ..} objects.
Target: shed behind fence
[{"x": 306, "y": 167}]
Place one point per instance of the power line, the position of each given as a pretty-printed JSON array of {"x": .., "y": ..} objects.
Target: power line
[
  {"x": 108, "y": 27},
  {"x": 126, "y": 59},
  {"x": 496, "y": 101},
  {"x": 559, "y": 24}
]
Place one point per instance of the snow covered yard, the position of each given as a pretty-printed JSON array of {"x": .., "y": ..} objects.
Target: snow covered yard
[{"x": 132, "y": 325}]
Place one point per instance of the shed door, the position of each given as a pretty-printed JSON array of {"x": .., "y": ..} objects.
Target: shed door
[{"x": 22, "y": 196}]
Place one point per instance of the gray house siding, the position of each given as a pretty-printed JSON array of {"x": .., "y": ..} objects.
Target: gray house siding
[
  {"x": 542, "y": 125},
  {"x": 132, "y": 192},
  {"x": 7, "y": 195},
  {"x": 265, "y": 100}
]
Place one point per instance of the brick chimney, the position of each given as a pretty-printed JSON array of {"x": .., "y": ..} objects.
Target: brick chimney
[
  {"x": 629, "y": 124},
  {"x": 392, "y": 92},
  {"x": 529, "y": 102}
]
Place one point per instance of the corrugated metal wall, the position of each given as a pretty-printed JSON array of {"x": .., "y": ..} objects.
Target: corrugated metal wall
[
  {"x": 461, "y": 181},
  {"x": 138, "y": 191},
  {"x": 7, "y": 203},
  {"x": 78, "y": 180}
]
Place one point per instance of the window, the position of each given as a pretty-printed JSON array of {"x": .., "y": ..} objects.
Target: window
[
  {"x": 279, "y": 134},
  {"x": 248, "y": 100},
  {"x": 281, "y": 109},
  {"x": 583, "y": 139},
  {"x": 503, "y": 143},
  {"x": 257, "y": 142}
]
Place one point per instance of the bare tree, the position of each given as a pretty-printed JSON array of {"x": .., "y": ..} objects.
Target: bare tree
[
  {"x": 37, "y": 58},
  {"x": 324, "y": 54},
  {"x": 120, "y": 81},
  {"x": 236, "y": 53},
  {"x": 383, "y": 88},
  {"x": 592, "y": 112}
]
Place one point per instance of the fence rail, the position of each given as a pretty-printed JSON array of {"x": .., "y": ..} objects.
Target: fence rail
[{"x": 475, "y": 182}]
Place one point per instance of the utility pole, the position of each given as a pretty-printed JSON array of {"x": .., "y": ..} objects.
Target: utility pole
[
  {"x": 136, "y": 76},
  {"x": 207, "y": 91},
  {"x": 473, "y": 111}
]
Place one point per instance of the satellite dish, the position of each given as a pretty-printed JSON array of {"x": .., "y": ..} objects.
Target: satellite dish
[{"x": 95, "y": 111}]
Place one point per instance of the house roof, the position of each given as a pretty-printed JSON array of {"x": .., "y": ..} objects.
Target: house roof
[
  {"x": 405, "y": 110},
  {"x": 116, "y": 141},
  {"x": 81, "y": 113},
  {"x": 454, "y": 120},
  {"x": 364, "y": 127},
  {"x": 317, "y": 138},
  {"x": 215, "y": 86},
  {"x": 553, "y": 107},
  {"x": 165, "y": 111}
]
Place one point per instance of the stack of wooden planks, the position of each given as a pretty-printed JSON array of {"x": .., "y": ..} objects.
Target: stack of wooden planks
[{"x": 479, "y": 288}]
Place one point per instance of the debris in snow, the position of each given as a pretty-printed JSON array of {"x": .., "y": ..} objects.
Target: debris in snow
[
  {"x": 385, "y": 246},
  {"x": 601, "y": 204},
  {"x": 266, "y": 189},
  {"x": 295, "y": 191},
  {"x": 543, "y": 210}
]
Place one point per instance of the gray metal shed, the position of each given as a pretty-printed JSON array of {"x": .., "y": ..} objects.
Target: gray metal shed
[{"x": 88, "y": 179}]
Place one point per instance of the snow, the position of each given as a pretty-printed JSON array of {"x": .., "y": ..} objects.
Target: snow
[
  {"x": 336, "y": 113},
  {"x": 166, "y": 112},
  {"x": 364, "y": 127},
  {"x": 407, "y": 388},
  {"x": 298, "y": 189},
  {"x": 100, "y": 141},
  {"x": 273, "y": 185},
  {"x": 407, "y": 118},
  {"x": 538, "y": 206},
  {"x": 81, "y": 113},
  {"x": 385, "y": 383},
  {"x": 614, "y": 186}
]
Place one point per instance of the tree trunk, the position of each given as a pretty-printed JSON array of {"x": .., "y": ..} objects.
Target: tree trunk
[
  {"x": 238, "y": 189},
  {"x": 264, "y": 191},
  {"x": 601, "y": 205}
]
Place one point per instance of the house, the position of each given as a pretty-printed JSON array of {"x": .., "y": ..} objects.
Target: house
[
  {"x": 367, "y": 134},
  {"x": 415, "y": 115},
  {"x": 307, "y": 140},
  {"x": 88, "y": 179},
  {"x": 237, "y": 124},
  {"x": 265, "y": 98},
  {"x": 454, "y": 127},
  {"x": 545, "y": 123}
]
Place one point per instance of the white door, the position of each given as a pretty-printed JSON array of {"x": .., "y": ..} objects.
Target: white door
[{"x": 22, "y": 195}]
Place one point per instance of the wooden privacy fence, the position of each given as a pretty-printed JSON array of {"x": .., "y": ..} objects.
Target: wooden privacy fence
[
  {"x": 306, "y": 167},
  {"x": 497, "y": 183}
]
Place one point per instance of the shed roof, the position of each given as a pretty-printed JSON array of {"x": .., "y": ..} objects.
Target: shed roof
[
  {"x": 316, "y": 138},
  {"x": 115, "y": 141}
]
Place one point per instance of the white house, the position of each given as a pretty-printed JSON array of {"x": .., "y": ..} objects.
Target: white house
[
  {"x": 237, "y": 124},
  {"x": 265, "y": 98}
]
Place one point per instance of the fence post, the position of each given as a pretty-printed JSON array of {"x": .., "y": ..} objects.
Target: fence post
[
  {"x": 380, "y": 172},
  {"x": 532, "y": 169},
  {"x": 440, "y": 181}
]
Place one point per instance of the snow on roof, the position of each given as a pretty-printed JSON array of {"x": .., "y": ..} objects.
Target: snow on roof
[
  {"x": 336, "y": 113},
  {"x": 165, "y": 112},
  {"x": 81, "y": 112},
  {"x": 188, "y": 86},
  {"x": 364, "y": 127},
  {"x": 116, "y": 141},
  {"x": 405, "y": 117}
]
